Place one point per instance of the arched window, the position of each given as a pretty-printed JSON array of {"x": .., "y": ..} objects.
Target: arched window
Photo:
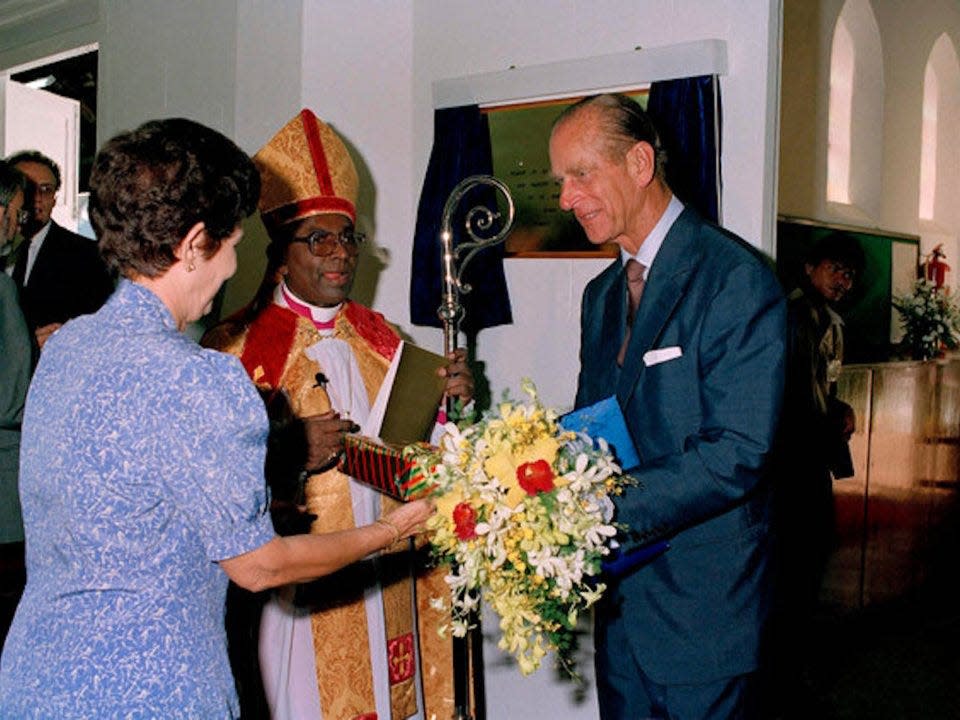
[
  {"x": 841, "y": 102},
  {"x": 940, "y": 160},
  {"x": 855, "y": 130},
  {"x": 928, "y": 143}
]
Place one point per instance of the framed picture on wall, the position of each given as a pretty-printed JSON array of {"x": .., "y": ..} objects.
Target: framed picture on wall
[{"x": 892, "y": 262}]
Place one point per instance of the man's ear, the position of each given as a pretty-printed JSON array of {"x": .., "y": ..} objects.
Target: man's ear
[{"x": 641, "y": 162}]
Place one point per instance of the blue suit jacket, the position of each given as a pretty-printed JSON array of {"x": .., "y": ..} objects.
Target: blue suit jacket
[{"x": 703, "y": 424}]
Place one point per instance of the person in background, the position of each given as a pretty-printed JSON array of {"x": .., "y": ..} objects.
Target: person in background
[
  {"x": 811, "y": 452},
  {"x": 60, "y": 274},
  {"x": 686, "y": 328},
  {"x": 319, "y": 359},
  {"x": 142, "y": 459},
  {"x": 15, "y": 349}
]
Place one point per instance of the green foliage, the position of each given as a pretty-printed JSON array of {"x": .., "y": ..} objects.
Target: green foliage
[{"x": 930, "y": 321}]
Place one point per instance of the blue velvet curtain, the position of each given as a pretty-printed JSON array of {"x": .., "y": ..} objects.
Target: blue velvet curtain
[
  {"x": 461, "y": 147},
  {"x": 687, "y": 115}
]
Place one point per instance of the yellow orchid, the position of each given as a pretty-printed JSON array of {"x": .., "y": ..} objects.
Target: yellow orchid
[{"x": 503, "y": 465}]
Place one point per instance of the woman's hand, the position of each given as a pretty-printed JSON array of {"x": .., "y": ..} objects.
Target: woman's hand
[
  {"x": 324, "y": 435},
  {"x": 301, "y": 558},
  {"x": 458, "y": 375},
  {"x": 406, "y": 520}
]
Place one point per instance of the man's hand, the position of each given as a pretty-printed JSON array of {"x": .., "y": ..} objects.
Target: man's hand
[
  {"x": 324, "y": 435},
  {"x": 458, "y": 375},
  {"x": 841, "y": 418},
  {"x": 849, "y": 421},
  {"x": 43, "y": 333}
]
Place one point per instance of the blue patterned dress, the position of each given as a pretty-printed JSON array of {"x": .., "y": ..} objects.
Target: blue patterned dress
[{"x": 142, "y": 466}]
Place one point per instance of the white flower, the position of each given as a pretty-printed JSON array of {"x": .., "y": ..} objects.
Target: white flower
[
  {"x": 599, "y": 534},
  {"x": 438, "y": 603}
]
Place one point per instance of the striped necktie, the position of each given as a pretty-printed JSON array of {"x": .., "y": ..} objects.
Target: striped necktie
[{"x": 635, "y": 282}]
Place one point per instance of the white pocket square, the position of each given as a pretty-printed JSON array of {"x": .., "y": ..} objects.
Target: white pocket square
[{"x": 655, "y": 357}]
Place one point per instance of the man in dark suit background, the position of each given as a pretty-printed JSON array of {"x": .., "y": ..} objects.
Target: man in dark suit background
[
  {"x": 700, "y": 380},
  {"x": 59, "y": 273}
]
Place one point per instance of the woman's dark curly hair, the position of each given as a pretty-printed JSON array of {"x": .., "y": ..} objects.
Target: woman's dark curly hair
[{"x": 149, "y": 186}]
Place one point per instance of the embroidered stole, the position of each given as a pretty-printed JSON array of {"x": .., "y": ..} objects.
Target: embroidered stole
[{"x": 272, "y": 351}]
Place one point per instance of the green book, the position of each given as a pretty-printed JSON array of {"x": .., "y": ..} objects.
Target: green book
[{"x": 409, "y": 398}]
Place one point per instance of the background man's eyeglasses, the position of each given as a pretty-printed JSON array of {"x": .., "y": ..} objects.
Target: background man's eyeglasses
[
  {"x": 840, "y": 269},
  {"x": 324, "y": 242}
]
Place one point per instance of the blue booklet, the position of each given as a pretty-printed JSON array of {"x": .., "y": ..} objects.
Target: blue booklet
[{"x": 605, "y": 420}]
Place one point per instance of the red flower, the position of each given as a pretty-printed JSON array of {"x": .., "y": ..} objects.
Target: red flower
[
  {"x": 535, "y": 477},
  {"x": 465, "y": 521}
]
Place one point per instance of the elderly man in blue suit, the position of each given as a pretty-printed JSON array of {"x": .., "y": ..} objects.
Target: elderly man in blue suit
[{"x": 698, "y": 372}]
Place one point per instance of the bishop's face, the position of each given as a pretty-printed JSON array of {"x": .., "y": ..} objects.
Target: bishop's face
[{"x": 320, "y": 273}]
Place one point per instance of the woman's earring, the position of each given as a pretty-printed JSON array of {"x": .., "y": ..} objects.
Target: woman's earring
[{"x": 191, "y": 267}]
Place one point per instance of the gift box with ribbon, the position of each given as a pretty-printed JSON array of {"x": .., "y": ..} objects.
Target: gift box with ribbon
[{"x": 386, "y": 467}]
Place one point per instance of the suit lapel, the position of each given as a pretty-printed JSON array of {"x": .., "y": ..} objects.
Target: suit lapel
[
  {"x": 20, "y": 263},
  {"x": 47, "y": 257},
  {"x": 613, "y": 317},
  {"x": 666, "y": 283},
  {"x": 603, "y": 326}
]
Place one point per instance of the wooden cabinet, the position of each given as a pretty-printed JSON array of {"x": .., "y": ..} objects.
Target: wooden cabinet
[{"x": 897, "y": 517}]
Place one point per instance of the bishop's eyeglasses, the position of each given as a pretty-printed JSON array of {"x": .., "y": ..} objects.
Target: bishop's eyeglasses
[{"x": 323, "y": 242}]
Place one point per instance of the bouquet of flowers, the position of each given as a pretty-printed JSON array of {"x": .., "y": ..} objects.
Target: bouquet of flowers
[
  {"x": 523, "y": 518},
  {"x": 930, "y": 320}
]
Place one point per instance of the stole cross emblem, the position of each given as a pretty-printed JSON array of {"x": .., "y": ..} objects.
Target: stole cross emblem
[{"x": 400, "y": 658}]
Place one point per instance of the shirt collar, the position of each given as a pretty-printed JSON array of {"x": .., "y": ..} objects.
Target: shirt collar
[
  {"x": 322, "y": 317},
  {"x": 651, "y": 244}
]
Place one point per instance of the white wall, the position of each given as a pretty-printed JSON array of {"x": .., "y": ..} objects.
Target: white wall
[
  {"x": 357, "y": 76},
  {"x": 372, "y": 80}
]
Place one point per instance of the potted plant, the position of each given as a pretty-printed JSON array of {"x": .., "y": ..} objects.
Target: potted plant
[{"x": 930, "y": 320}]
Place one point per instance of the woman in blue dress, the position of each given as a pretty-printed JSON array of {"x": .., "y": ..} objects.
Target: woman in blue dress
[{"x": 142, "y": 459}]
